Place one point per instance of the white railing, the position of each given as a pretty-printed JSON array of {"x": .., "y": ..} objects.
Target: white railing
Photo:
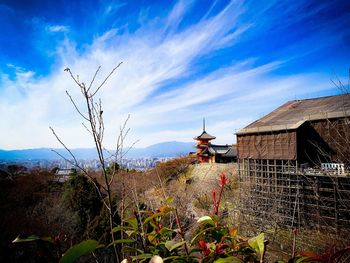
[{"x": 339, "y": 167}]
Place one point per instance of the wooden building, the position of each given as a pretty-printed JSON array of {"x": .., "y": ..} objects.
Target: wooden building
[
  {"x": 220, "y": 153},
  {"x": 294, "y": 165},
  {"x": 311, "y": 131}
]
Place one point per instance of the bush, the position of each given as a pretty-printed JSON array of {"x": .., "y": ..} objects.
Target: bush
[
  {"x": 81, "y": 197},
  {"x": 173, "y": 169}
]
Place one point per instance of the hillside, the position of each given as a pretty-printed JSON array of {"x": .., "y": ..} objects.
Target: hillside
[{"x": 193, "y": 190}]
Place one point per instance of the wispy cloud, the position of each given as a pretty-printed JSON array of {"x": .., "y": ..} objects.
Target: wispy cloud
[
  {"x": 177, "y": 14},
  {"x": 58, "y": 28},
  {"x": 113, "y": 7},
  {"x": 161, "y": 82}
]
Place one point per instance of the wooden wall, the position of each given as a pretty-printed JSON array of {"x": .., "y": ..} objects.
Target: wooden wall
[
  {"x": 314, "y": 142},
  {"x": 274, "y": 145}
]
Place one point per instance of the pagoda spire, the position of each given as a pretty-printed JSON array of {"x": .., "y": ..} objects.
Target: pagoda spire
[{"x": 203, "y": 141}]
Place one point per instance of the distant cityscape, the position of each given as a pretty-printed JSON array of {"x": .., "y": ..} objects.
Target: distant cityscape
[
  {"x": 92, "y": 164},
  {"x": 137, "y": 158}
]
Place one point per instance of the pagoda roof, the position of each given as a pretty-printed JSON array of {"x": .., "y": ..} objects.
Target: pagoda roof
[
  {"x": 205, "y": 136},
  {"x": 201, "y": 145}
]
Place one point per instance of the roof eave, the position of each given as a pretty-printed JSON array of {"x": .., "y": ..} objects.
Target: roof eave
[{"x": 294, "y": 126}]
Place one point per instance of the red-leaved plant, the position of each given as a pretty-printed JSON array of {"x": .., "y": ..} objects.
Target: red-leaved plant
[{"x": 222, "y": 183}]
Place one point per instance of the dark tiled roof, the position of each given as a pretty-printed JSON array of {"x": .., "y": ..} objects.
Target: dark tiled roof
[
  {"x": 293, "y": 114},
  {"x": 223, "y": 150},
  {"x": 205, "y": 136},
  {"x": 231, "y": 152}
]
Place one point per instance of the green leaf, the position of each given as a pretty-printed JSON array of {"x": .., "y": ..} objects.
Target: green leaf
[
  {"x": 152, "y": 217},
  {"x": 169, "y": 200},
  {"x": 132, "y": 249},
  {"x": 130, "y": 232},
  {"x": 257, "y": 244},
  {"x": 121, "y": 241},
  {"x": 152, "y": 237},
  {"x": 166, "y": 231},
  {"x": 195, "y": 250},
  {"x": 31, "y": 238},
  {"x": 142, "y": 256},
  {"x": 219, "y": 233},
  {"x": 118, "y": 228},
  {"x": 171, "y": 245},
  {"x": 176, "y": 259},
  {"x": 76, "y": 251},
  {"x": 215, "y": 218},
  {"x": 132, "y": 222},
  {"x": 301, "y": 259},
  {"x": 229, "y": 260},
  {"x": 153, "y": 224},
  {"x": 201, "y": 233},
  {"x": 206, "y": 220}
]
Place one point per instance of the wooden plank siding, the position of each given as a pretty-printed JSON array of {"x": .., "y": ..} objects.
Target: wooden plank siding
[{"x": 272, "y": 146}]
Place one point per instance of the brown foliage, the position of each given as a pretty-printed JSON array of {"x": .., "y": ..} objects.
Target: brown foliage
[
  {"x": 174, "y": 168},
  {"x": 31, "y": 205}
]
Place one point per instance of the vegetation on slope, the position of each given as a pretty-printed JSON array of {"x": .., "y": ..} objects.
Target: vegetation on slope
[{"x": 168, "y": 212}]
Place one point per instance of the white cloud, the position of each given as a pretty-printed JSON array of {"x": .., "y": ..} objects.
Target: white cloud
[
  {"x": 229, "y": 97},
  {"x": 57, "y": 28},
  {"x": 177, "y": 14}
]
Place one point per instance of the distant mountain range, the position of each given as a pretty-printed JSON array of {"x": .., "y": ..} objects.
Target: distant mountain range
[{"x": 164, "y": 149}]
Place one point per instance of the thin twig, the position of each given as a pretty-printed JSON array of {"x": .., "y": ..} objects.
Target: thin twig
[
  {"x": 59, "y": 140},
  {"x": 181, "y": 231},
  {"x": 103, "y": 82},
  {"x": 86, "y": 128},
  {"x": 76, "y": 80},
  {"x": 93, "y": 79},
  {"x": 76, "y": 107}
]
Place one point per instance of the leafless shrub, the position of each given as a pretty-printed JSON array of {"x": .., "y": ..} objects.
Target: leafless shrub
[{"x": 92, "y": 117}]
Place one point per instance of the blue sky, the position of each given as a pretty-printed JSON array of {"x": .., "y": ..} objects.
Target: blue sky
[{"x": 228, "y": 61}]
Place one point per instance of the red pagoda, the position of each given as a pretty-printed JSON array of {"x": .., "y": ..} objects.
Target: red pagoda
[{"x": 202, "y": 143}]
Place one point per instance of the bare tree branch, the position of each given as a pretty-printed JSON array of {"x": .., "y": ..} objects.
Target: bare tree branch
[
  {"x": 59, "y": 140},
  {"x": 95, "y": 120},
  {"x": 75, "y": 106},
  {"x": 93, "y": 79},
  {"x": 104, "y": 81},
  {"x": 87, "y": 128},
  {"x": 76, "y": 80}
]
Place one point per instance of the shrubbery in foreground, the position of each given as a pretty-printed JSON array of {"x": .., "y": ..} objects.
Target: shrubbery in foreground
[{"x": 158, "y": 236}]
